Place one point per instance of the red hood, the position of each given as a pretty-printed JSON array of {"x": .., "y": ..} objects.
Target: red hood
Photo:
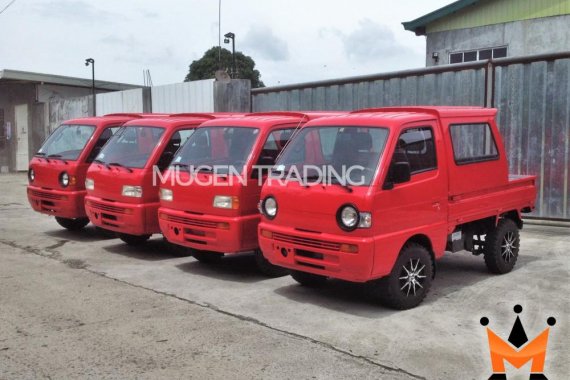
[
  {"x": 47, "y": 172},
  {"x": 109, "y": 182}
]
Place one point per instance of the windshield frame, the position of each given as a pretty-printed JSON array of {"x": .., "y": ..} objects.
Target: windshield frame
[
  {"x": 50, "y": 140},
  {"x": 257, "y": 132},
  {"x": 113, "y": 142},
  {"x": 378, "y": 157}
]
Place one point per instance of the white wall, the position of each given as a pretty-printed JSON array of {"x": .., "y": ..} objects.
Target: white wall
[
  {"x": 121, "y": 102},
  {"x": 196, "y": 96}
]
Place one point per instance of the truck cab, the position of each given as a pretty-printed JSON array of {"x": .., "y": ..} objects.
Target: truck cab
[
  {"x": 414, "y": 183},
  {"x": 56, "y": 174},
  {"x": 122, "y": 182},
  {"x": 211, "y": 207}
]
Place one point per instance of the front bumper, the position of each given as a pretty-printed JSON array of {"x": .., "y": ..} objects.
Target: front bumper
[
  {"x": 323, "y": 254},
  {"x": 126, "y": 218},
  {"x": 65, "y": 204},
  {"x": 208, "y": 232}
]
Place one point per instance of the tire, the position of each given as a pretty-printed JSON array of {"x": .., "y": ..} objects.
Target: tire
[
  {"x": 267, "y": 268},
  {"x": 207, "y": 257},
  {"x": 72, "y": 224},
  {"x": 308, "y": 279},
  {"x": 134, "y": 240},
  {"x": 410, "y": 280},
  {"x": 502, "y": 247}
]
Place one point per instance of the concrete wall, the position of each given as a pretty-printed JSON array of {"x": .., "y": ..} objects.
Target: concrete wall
[
  {"x": 528, "y": 37},
  {"x": 137, "y": 100},
  {"x": 195, "y": 96},
  {"x": 232, "y": 96},
  {"x": 65, "y": 109}
]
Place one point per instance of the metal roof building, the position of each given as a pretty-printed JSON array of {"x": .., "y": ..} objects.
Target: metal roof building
[{"x": 472, "y": 30}]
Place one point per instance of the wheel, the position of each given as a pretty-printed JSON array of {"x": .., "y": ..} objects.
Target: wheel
[
  {"x": 134, "y": 239},
  {"x": 72, "y": 224},
  {"x": 267, "y": 268},
  {"x": 308, "y": 279},
  {"x": 502, "y": 247},
  {"x": 409, "y": 282},
  {"x": 207, "y": 257}
]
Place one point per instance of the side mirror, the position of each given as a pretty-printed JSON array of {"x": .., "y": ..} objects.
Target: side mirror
[{"x": 399, "y": 173}]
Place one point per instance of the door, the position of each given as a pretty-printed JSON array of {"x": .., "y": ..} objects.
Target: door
[{"x": 22, "y": 156}]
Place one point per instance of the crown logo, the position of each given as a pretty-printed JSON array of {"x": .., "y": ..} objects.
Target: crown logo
[{"x": 518, "y": 350}]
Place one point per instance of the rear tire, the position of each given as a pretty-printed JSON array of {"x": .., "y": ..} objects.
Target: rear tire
[
  {"x": 502, "y": 245},
  {"x": 207, "y": 257},
  {"x": 410, "y": 280},
  {"x": 267, "y": 268},
  {"x": 72, "y": 224},
  {"x": 308, "y": 279},
  {"x": 134, "y": 240}
]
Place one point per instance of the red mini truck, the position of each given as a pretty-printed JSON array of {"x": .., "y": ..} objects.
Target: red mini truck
[
  {"x": 122, "y": 183},
  {"x": 57, "y": 171},
  {"x": 216, "y": 213},
  {"x": 427, "y": 180}
]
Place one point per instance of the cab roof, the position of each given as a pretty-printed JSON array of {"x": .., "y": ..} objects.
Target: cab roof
[
  {"x": 398, "y": 115},
  {"x": 169, "y": 122},
  {"x": 98, "y": 120},
  {"x": 270, "y": 119}
]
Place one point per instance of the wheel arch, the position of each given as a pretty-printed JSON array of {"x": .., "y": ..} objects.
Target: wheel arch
[
  {"x": 514, "y": 215},
  {"x": 425, "y": 242}
]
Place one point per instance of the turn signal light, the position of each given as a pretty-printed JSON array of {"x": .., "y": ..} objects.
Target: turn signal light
[
  {"x": 267, "y": 234},
  {"x": 349, "y": 248}
]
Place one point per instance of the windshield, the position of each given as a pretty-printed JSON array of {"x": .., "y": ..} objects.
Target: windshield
[
  {"x": 222, "y": 149},
  {"x": 131, "y": 146},
  {"x": 346, "y": 155},
  {"x": 67, "y": 141}
]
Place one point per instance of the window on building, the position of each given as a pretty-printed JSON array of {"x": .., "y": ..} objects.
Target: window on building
[{"x": 478, "y": 55}]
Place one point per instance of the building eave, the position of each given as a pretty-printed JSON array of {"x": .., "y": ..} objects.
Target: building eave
[{"x": 418, "y": 25}]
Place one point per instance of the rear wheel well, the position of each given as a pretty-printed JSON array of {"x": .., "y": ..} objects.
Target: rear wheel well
[{"x": 514, "y": 215}]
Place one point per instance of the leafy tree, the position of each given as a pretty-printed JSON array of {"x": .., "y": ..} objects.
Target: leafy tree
[{"x": 206, "y": 67}]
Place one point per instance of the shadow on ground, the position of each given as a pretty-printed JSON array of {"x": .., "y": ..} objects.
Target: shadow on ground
[
  {"x": 153, "y": 250},
  {"x": 87, "y": 234},
  {"x": 236, "y": 267}
]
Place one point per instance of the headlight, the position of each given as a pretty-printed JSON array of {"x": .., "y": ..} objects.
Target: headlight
[
  {"x": 132, "y": 191},
  {"x": 64, "y": 179},
  {"x": 165, "y": 195},
  {"x": 31, "y": 175},
  {"x": 226, "y": 201},
  {"x": 269, "y": 207},
  {"x": 349, "y": 218},
  {"x": 89, "y": 184}
]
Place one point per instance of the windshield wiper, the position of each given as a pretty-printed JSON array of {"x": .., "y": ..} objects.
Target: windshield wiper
[
  {"x": 336, "y": 181},
  {"x": 57, "y": 157},
  {"x": 40, "y": 154},
  {"x": 205, "y": 169},
  {"x": 180, "y": 165},
  {"x": 120, "y": 165},
  {"x": 98, "y": 161}
]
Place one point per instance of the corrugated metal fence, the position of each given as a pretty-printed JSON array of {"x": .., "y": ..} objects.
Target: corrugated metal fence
[{"x": 531, "y": 93}]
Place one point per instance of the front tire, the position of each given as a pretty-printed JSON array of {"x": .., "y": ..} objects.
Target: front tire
[
  {"x": 134, "y": 240},
  {"x": 502, "y": 247},
  {"x": 267, "y": 268},
  {"x": 72, "y": 224},
  {"x": 308, "y": 279},
  {"x": 410, "y": 280}
]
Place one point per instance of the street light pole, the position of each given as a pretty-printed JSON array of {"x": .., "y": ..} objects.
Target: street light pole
[
  {"x": 232, "y": 36},
  {"x": 92, "y": 62}
]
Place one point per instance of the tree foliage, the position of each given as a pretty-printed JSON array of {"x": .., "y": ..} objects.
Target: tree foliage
[{"x": 206, "y": 67}]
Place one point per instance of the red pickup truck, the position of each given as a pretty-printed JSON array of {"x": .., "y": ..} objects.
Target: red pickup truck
[
  {"x": 57, "y": 172},
  {"x": 414, "y": 182}
]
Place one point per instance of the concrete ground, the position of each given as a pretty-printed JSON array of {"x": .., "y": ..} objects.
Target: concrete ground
[{"x": 75, "y": 305}]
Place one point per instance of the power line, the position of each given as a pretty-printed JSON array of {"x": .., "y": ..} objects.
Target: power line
[{"x": 7, "y": 6}]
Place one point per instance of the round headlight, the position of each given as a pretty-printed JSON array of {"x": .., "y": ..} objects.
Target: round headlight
[
  {"x": 348, "y": 217},
  {"x": 64, "y": 179},
  {"x": 270, "y": 207},
  {"x": 31, "y": 175}
]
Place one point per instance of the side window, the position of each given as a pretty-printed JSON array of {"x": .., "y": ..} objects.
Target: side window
[
  {"x": 416, "y": 146},
  {"x": 177, "y": 139},
  {"x": 472, "y": 143},
  {"x": 274, "y": 144},
  {"x": 101, "y": 141}
]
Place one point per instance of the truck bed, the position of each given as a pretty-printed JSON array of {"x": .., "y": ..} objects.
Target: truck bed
[{"x": 518, "y": 193}]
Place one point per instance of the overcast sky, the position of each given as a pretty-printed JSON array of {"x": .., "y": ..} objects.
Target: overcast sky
[{"x": 291, "y": 41}]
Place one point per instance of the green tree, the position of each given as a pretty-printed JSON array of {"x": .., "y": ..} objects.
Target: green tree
[{"x": 206, "y": 67}]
